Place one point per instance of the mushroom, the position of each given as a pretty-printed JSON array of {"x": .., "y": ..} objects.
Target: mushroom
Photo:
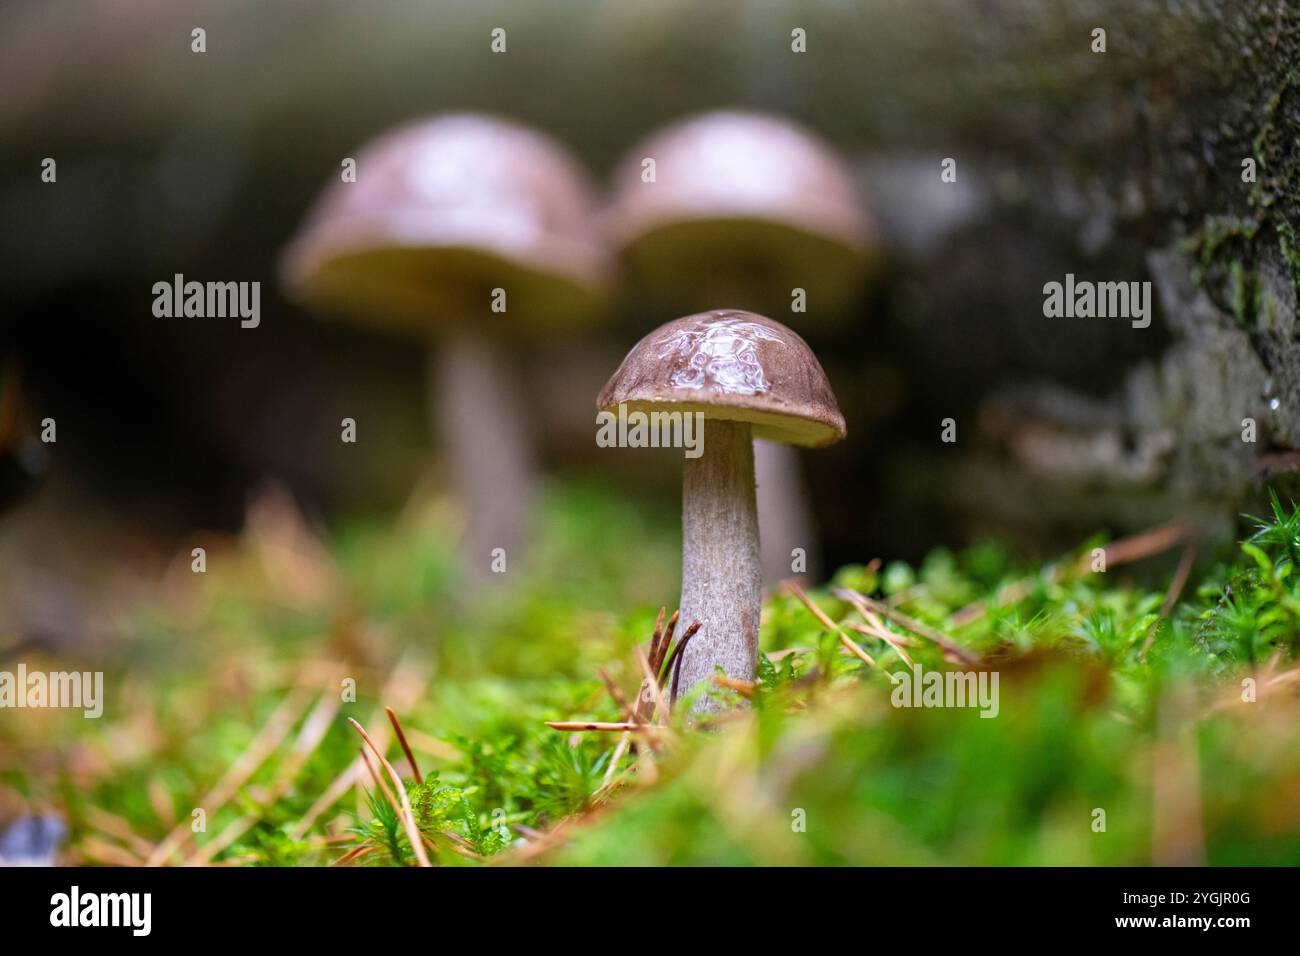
[
  {"x": 444, "y": 216},
  {"x": 744, "y": 208},
  {"x": 745, "y": 376}
]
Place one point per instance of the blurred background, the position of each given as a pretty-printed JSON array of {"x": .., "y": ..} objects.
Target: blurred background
[{"x": 1117, "y": 166}]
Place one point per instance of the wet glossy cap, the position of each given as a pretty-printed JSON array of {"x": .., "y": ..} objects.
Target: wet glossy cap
[
  {"x": 753, "y": 197},
  {"x": 442, "y": 212},
  {"x": 734, "y": 366}
]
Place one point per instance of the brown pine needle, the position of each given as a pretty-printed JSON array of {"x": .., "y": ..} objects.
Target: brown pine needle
[
  {"x": 661, "y": 709},
  {"x": 408, "y": 815},
  {"x": 543, "y": 842},
  {"x": 1013, "y": 593},
  {"x": 406, "y": 748},
  {"x": 676, "y": 655},
  {"x": 340, "y": 785},
  {"x": 403, "y": 686},
  {"x": 744, "y": 687},
  {"x": 1179, "y": 581},
  {"x": 457, "y": 839},
  {"x": 1267, "y": 684},
  {"x": 866, "y": 605},
  {"x": 658, "y": 634},
  {"x": 265, "y": 743},
  {"x": 621, "y": 749},
  {"x": 655, "y": 667},
  {"x": 668, "y": 638},
  {"x": 850, "y": 645},
  {"x": 1139, "y": 546},
  {"x": 354, "y": 854},
  {"x": 160, "y": 802},
  {"x": 600, "y": 726},
  {"x": 309, "y": 737},
  {"x": 897, "y": 637},
  {"x": 1121, "y": 551},
  {"x": 379, "y": 781},
  {"x": 885, "y": 635},
  {"x": 619, "y": 698},
  {"x": 96, "y": 848},
  {"x": 458, "y": 844},
  {"x": 854, "y": 648},
  {"x": 794, "y": 588},
  {"x": 676, "y": 671},
  {"x": 119, "y": 829}
]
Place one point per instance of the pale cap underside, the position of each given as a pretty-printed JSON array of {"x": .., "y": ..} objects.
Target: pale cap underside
[
  {"x": 745, "y": 206},
  {"x": 444, "y": 211}
]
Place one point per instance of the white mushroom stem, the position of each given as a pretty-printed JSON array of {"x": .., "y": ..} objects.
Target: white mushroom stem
[
  {"x": 784, "y": 515},
  {"x": 484, "y": 436},
  {"x": 722, "y": 581}
]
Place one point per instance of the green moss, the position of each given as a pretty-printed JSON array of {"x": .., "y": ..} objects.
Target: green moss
[
  {"x": 1289, "y": 246},
  {"x": 822, "y": 769},
  {"x": 1229, "y": 248}
]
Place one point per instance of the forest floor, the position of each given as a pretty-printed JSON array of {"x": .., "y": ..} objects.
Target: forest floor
[{"x": 1132, "y": 716}]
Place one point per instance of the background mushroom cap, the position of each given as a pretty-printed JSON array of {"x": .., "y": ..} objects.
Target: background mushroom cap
[
  {"x": 735, "y": 366},
  {"x": 442, "y": 212},
  {"x": 746, "y": 194}
]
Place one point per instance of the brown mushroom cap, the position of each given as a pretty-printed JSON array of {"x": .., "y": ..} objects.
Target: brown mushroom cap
[
  {"x": 734, "y": 366},
  {"x": 442, "y": 212},
  {"x": 744, "y": 193}
]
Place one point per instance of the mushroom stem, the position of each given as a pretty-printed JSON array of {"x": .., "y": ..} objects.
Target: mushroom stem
[
  {"x": 722, "y": 580},
  {"x": 784, "y": 514},
  {"x": 483, "y": 433}
]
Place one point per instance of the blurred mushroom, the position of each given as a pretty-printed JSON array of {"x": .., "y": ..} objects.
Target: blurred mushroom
[
  {"x": 744, "y": 209},
  {"x": 444, "y": 217},
  {"x": 747, "y": 377}
]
